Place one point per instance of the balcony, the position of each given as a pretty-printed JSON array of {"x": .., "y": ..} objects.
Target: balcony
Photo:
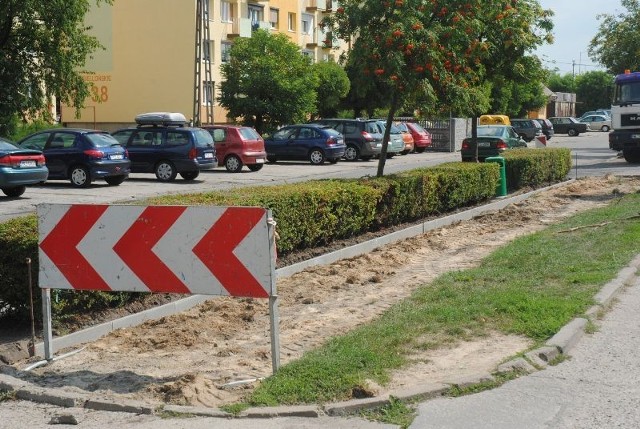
[
  {"x": 314, "y": 5},
  {"x": 240, "y": 27}
]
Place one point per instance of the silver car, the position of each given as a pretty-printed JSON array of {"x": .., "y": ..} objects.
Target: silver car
[
  {"x": 396, "y": 142},
  {"x": 597, "y": 122}
]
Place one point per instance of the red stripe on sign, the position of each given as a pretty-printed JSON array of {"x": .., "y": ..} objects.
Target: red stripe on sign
[
  {"x": 217, "y": 246},
  {"x": 135, "y": 249},
  {"x": 60, "y": 245}
]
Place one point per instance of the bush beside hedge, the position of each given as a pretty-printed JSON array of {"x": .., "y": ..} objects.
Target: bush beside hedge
[{"x": 308, "y": 214}]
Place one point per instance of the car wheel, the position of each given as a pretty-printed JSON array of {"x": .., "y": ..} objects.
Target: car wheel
[
  {"x": 190, "y": 175},
  {"x": 271, "y": 159},
  {"x": 15, "y": 191},
  {"x": 352, "y": 153},
  {"x": 572, "y": 132},
  {"x": 316, "y": 157},
  {"x": 255, "y": 167},
  {"x": 115, "y": 180},
  {"x": 233, "y": 164},
  {"x": 605, "y": 128},
  {"x": 390, "y": 155},
  {"x": 80, "y": 177},
  {"x": 165, "y": 171},
  {"x": 405, "y": 152},
  {"x": 631, "y": 156},
  {"x": 420, "y": 149}
]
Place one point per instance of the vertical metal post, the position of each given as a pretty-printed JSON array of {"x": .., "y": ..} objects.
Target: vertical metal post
[
  {"x": 47, "y": 331},
  {"x": 32, "y": 346},
  {"x": 274, "y": 317}
]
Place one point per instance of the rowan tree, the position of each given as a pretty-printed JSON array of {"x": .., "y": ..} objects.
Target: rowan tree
[
  {"x": 437, "y": 52},
  {"x": 43, "y": 47}
]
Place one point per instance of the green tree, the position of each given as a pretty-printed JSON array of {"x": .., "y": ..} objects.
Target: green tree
[
  {"x": 615, "y": 45},
  {"x": 521, "y": 92},
  {"x": 333, "y": 85},
  {"x": 43, "y": 47},
  {"x": 436, "y": 54},
  {"x": 561, "y": 83},
  {"x": 267, "y": 82},
  {"x": 593, "y": 91}
]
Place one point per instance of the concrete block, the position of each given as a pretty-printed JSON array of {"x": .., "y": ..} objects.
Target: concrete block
[
  {"x": 425, "y": 391},
  {"x": 283, "y": 411},
  {"x": 355, "y": 405},
  {"x": 196, "y": 411},
  {"x": 569, "y": 335},
  {"x": 50, "y": 396},
  {"x": 518, "y": 365},
  {"x": 464, "y": 382},
  {"x": 122, "y": 407}
]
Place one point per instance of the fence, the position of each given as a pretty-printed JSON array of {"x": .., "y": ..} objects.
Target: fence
[{"x": 446, "y": 134}]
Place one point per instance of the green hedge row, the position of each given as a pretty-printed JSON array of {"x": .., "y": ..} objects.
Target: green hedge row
[{"x": 308, "y": 214}]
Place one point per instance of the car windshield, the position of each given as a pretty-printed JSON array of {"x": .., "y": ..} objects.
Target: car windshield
[
  {"x": 203, "y": 138},
  {"x": 490, "y": 131},
  {"x": 248, "y": 133},
  {"x": 102, "y": 139}
]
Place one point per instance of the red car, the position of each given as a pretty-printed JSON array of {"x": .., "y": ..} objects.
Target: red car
[
  {"x": 237, "y": 146},
  {"x": 421, "y": 137}
]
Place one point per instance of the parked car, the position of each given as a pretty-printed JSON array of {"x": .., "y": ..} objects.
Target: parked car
[
  {"x": 547, "y": 127},
  {"x": 396, "y": 142},
  {"x": 421, "y": 137},
  {"x": 362, "y": 137},
  {"x": 19, "y": 168},
  {"x": 164, "y": 144},
  {"x": 605, "y": 112},
  {"x": 528, "y": 129},
  {"x": 597, "y": 122},
  {"x": 237, "y": 146},
  {"x": 492, "y": 141},
  {"x": 80, "y": 155},
  {"x": 568, "y": 125},
  {"x": 305, "y": 142},
  {"x": 409, "y": 144}
]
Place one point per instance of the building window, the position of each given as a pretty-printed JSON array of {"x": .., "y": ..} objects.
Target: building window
[
  {"x": 307, "y": 24},
  {"x": 207, "y": 88},
  {"x": 207, "y": 50},
  {"x": 308, "y": 54},
  {"x": 225, "y": 47},
  {"x": 274, "y": 18},
  {"x": 255, "y": 15},
  {"x": 226, "y": 11},
  {"x": 292, "y": 21}
]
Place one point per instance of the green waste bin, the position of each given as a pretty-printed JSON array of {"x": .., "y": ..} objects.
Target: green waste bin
[{"x": 501, "y": 189}]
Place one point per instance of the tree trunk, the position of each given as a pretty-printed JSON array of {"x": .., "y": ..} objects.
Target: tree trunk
[
  {"x": 387, "y": 133},
  {"x": 474, "y": 135}
]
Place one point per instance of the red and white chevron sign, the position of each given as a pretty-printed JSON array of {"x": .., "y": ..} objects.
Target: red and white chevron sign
[{"x": 168, "y": 249}]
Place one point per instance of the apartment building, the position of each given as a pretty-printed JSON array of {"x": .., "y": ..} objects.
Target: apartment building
[{"x": 149, "y": 61}]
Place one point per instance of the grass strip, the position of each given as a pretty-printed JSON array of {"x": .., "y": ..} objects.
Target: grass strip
[{"x": 532, "y": 286}]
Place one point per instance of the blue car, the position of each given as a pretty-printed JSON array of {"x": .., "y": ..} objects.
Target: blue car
[
  {"x": 164, "y": 144},
  {"x": 80, "y": 155},
  {"x": 306, "y": 142},
  {"x": 19, "y": 168}
]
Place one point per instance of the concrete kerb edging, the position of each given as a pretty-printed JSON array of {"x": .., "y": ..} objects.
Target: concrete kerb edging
[{"x": 559, "y": 344}]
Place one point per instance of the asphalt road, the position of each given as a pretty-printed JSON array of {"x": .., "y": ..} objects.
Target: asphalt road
[{"x": 592, "y": 156}]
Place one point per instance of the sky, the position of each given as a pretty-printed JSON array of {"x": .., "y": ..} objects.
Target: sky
[{"x": 575, "y": 24}]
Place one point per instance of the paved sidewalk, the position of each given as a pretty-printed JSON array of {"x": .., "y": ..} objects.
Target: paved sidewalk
[{"x": 597, "y": 387}]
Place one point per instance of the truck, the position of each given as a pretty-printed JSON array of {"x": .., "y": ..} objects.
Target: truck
[{"x": 625, "y": 116}]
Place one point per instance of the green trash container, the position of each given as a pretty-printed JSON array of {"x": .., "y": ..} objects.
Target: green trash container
[{"x": 501, "y": 189}]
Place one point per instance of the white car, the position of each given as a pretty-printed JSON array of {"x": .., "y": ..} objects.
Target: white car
[{"x": 597, "y": 122}]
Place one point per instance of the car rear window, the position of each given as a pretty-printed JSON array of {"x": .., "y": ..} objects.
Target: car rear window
[
  {"x": 203, "y": 138},
  {"x": 102, "y": 139},
  {"x": 489, "y": 131},
  {"x": 332, "y": 132},
  {"x": 419, "y": 128},
  {"x": 248, "y": 133},
  {"x": 372, "y": 127}
]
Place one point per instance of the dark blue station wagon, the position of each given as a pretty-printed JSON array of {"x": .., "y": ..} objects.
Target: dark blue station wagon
[{"x": 163, "y": 144}]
